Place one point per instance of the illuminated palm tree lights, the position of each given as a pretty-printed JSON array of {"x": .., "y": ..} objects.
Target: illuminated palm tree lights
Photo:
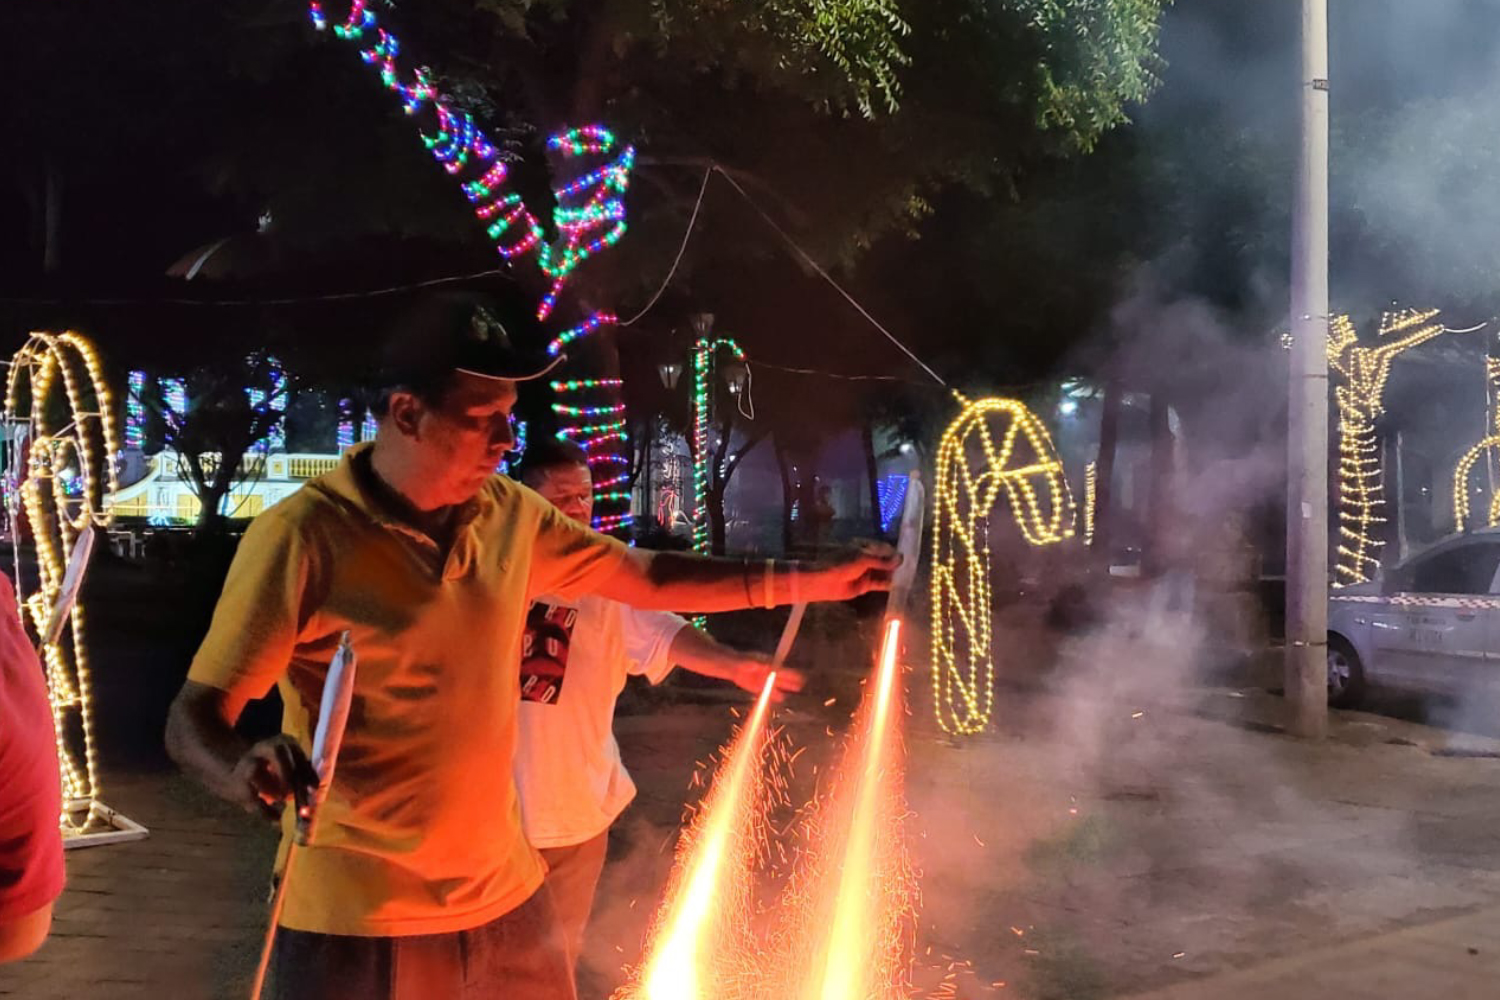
[
  {"x": 1363, "y": 372},
  {"x": 1474, "y": 454}
]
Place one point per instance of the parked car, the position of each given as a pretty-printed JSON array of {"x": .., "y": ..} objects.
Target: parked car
[{"x": 1430, "y": 624}]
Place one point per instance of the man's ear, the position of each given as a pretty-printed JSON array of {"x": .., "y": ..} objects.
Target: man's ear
[{"x": 405, "y": 412}]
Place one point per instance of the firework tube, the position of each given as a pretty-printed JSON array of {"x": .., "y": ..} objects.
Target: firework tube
[
  {"x": 328, "y": 736},
  {"x": 333, "y": 716},
  {"x": 909, "y": 545},
  {"x": 789, "y": 633}
]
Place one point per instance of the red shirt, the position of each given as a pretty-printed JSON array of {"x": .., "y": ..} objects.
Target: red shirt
[{"x": 31, "y": 859}]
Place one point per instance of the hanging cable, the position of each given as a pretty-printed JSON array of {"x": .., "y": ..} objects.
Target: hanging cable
[
  {"x": 808, "y": 260},
  {"x": 745, "y": 400},
  {"x": 671, "y": 273}
]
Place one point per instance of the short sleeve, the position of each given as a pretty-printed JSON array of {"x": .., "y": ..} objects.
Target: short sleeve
[
  {"x": 648, "y": 642},
  {"x": 31, "y": 853},
  {"x": 568, "y": 559},
  {"x": 261, "y": 611}
]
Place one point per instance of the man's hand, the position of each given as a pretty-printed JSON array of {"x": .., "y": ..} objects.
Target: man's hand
[
  {"x": 750, "y": 675},
  {"x": 271, "y": 772},
  {"x": 845, "y": 576}
]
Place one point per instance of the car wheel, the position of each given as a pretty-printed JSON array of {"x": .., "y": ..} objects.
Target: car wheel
[{"x": 1346, "y": 676}]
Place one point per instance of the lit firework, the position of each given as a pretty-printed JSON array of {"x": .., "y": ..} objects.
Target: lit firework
[
  {"x": 703, "y": 927},
  {"x": 844, "y": 928},
  {"x": 851, "y": 907}
]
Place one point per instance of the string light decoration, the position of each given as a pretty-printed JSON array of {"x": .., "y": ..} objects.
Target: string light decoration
[
  {"x": 135, "y": 411},
  {"x": 1471, "y": 457},
  {"x": 61, "y": 421},
  {"x": 890, "y": 490},
  {"x": 1016, "y": 458},
  {"x": 583, "y": 329},
  {"x": 512, "y": 459},
  {"x": 369, "y": 427},
  {"x": 1090, "y": 500},
  {"x": 344, "y": 435},
  {"x": 1363, "y": 372},
  {"x": 609, "y": 468},
  {"x": 590, "y": 209},
  {"x": 174, "y": 395},
  {"x": 705, "y": 355},
  {"x": 275, "y": 439}
]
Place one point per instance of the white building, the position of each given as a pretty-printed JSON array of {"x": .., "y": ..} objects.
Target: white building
[{"x": 164, "y": 495}]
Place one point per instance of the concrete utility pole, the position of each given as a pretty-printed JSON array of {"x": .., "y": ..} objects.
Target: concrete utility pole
[{"x": 1307, "y": 423}]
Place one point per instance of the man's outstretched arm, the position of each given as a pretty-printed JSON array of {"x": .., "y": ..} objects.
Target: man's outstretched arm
[{"x": 698, "y": 584}]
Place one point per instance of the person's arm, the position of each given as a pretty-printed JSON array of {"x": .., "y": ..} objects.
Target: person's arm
[
  {"x": 267, "y": 597},
  {"x": 701, "y": 585},
  {"x": 258, "y": 777},
  {"x": 702, "y": 654},
  {"x": 23, "y": 935},
  {"x": 569, "y": 559}
]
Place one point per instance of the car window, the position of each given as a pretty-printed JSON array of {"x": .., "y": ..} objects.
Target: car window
[{"x": 1467, "y": 569}]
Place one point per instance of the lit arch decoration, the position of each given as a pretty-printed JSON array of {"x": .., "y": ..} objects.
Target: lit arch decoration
[
  {"x": 1015, "y": 457},
  {"x": 60, "y": 448},
  {"x": 1363, "y": 372},
  {"x": 1473, "y": 455}
]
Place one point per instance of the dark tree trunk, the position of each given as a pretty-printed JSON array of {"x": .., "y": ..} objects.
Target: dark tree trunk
[
  {"x": 1109, "y": 440},
  {"x": 788, "y": 495},
  {"x": 716, "y": 529},
  {"x": 807, "y": 503},
  {"x": 641, "y": 474},
  {"x": 212, "y": 489},
  {"x": 719, "y": 472},
  {"x": 872, "y": 470}
]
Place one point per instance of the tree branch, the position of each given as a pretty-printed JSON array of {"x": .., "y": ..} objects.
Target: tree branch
[{"x": 739, "y": 456}]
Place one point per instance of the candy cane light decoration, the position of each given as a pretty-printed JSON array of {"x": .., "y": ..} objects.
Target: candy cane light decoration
[{"x": 995, "y": 447}]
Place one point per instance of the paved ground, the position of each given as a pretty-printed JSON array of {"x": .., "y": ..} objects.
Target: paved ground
[
  {"x": 174, "y": 915},
  {"x": 1082, "y": 851},
  {"x": 1457, "y": 959}
]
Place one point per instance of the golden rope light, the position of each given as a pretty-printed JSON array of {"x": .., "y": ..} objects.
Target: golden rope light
[
  {"x": 1473, "y": 455},
  {"x": 1363, "y": 372},
  {"x": 75, "y": 442},
  {"x": 1090, "y": 500},
  {"x": 1015, "y": 451}
]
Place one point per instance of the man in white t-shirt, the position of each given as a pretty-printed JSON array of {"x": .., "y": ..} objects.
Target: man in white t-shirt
[{"x": 575, "y": 658}]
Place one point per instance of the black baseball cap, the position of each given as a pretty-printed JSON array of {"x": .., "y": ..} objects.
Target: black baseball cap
[{"x": 446, "y": 332}]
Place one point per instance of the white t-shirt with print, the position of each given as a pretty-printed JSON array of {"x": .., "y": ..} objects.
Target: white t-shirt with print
[{"x": 574, "y": 661}]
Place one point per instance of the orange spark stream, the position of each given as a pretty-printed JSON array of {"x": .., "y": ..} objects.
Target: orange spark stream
[
  {"x": 715, "y": 863},
  {"x": 853, "y": 965}
]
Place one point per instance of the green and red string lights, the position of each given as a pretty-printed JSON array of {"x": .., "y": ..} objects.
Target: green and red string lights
[
  {"x": 705, "y": 355},
  {"x": 589, "y": 217}
]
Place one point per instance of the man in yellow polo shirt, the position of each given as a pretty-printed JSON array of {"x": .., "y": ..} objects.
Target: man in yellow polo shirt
[{"x": 421, "y": 884}]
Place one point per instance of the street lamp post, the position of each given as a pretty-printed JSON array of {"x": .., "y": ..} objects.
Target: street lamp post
[{"x": 1307, "y": 413}]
